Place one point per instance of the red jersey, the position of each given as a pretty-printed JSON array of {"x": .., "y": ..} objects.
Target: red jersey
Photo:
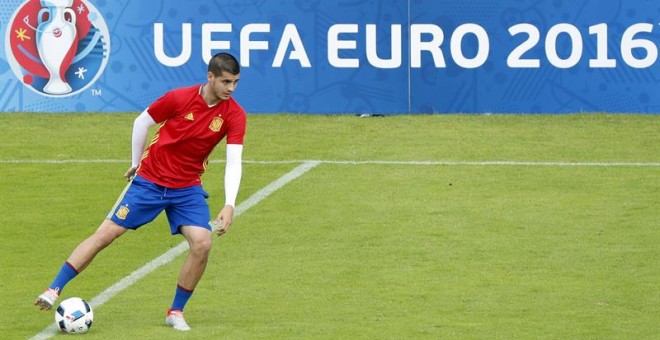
[{"x": 189, "y": 131}]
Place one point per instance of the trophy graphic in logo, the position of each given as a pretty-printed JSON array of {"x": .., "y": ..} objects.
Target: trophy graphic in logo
[
  {"x": 57, "y": 48},
  {"x": 56, "y": 42}
]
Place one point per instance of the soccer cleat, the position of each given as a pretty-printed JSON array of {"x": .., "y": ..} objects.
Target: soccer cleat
[
  {"x": 175, "y": 319},
  {"x": 46, "y": 300}
]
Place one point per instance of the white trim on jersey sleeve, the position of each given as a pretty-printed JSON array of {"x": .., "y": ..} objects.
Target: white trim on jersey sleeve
[
  {"x": 141, "y": 127},
  {"x": 233, "y": 173}
]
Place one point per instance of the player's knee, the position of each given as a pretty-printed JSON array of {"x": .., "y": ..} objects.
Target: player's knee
[
  {"x": 201, "y": 246},
  {"x": 107, "y": 233},
  {"x": 102, "y": 240}
]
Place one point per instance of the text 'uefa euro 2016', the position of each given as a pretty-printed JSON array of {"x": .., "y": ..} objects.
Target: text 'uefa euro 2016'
[{"x": 636, "y": 47}]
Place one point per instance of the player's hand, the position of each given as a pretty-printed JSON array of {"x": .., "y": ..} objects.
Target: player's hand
[
  {"x": 223, "y": 221},
  {"x": 130, "y": 173}
]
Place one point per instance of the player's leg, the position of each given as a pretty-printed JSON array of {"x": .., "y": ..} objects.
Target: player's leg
[
  {"x": 79, "y": 259},
  {"x": 145, "y": 201},
  {"x": 83, "y": 255},
  {"x": 199, "y": 241}
]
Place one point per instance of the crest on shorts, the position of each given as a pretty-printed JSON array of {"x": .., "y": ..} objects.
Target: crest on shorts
[
  {"x": 216, "y": 123},
  {"x": 122, "y": 212}
]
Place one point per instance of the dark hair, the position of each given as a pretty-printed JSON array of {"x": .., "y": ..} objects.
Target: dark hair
[{"x": 224, "y": 62}]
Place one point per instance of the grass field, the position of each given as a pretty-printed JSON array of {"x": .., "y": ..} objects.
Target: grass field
[{"x": 408, "y": 227}]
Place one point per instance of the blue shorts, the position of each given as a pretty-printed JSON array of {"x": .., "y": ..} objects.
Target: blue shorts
[{"x": 143, "y": 201}]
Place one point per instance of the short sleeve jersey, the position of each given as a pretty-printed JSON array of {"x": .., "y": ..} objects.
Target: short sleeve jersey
[{"x": 189, "y": 131}]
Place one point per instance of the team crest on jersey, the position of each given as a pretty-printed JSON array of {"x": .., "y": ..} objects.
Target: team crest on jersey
[
  {"x": 216, "y": 124},
  {"x": 122, "y": 212}
]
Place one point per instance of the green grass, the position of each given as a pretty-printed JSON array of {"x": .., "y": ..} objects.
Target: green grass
[{"x": 359, "y": 251}]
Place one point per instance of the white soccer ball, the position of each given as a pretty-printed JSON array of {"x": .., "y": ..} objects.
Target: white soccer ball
[{"x": 74, "y": 315}]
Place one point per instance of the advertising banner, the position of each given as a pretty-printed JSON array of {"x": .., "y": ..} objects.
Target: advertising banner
[{"x": 336, "y": 57}]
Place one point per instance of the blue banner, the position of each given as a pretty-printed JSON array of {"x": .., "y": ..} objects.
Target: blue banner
[{"x": 326, "y": 57}]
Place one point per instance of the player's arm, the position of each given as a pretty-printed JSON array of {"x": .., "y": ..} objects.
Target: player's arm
[
  {"x": 141, "y": 127},
  {"x": 233, "y": 173}
]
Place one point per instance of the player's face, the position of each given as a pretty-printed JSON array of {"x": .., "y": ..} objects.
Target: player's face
[{"x": 223, "y": 85}]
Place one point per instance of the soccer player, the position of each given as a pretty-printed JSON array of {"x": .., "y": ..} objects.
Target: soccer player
[{"x": 167, "y": 176}]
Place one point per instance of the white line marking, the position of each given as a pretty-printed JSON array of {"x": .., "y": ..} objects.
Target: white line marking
[
  {"x": 349, "y": 162},
  {"x": 173, "y": 253}
]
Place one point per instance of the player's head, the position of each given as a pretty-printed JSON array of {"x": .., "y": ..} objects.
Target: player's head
[
  {"x": 224, "y": 62},
  {"x": 223, "y": 75}
]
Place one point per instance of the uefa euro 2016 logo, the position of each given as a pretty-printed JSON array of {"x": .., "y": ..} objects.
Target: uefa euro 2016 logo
[{"x": 57, "y": 48}]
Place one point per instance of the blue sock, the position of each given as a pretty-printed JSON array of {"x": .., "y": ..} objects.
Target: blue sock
[
  {"x": 66, "y": 274},
  {"x": 181, "y": 298}
]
